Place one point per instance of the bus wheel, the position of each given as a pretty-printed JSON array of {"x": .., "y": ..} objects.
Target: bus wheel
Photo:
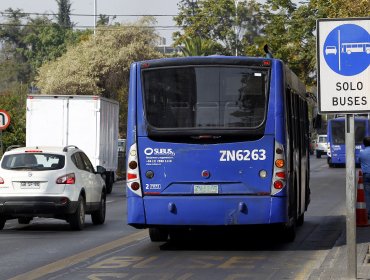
[
  {"x": 158, "y": 234},
  {"x": 289, "y": 230},
  {"x": 300, "y": 220}
]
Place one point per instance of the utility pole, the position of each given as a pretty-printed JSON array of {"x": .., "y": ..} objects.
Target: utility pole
[
  {"x": 95, "y": 9},
  {"x": 236, "y": 2}
]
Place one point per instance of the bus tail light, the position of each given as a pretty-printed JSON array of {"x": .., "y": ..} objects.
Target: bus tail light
[
  {"x": 133, "y": 175},
  {"x": 135, "y": 186},
  {"x": 279, "y": 163},
  {"x": 278, "y": 185},
  {"x": 279, "y": 177}
]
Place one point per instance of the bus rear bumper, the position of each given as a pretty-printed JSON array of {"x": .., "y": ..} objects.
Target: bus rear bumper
[{"x": 209, "y": 211}]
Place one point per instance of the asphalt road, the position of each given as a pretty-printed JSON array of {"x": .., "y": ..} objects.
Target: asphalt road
[{"x": 48, "y": 249}]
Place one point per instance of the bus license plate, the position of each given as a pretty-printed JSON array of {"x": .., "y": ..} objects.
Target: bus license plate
[{"x": 205, "y": 189}]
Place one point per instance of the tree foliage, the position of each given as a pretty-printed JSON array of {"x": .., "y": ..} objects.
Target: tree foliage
[
  {"x": 14, "y": 102},
  {"x": 100, "y": 65},
  {"x": 64, "y": 12},
  {"x": 47, "y": 40},
  {"x": 340, "y": 8},
  {"x": 232, "y": 24},
  {"x": 287, "y": 28},
  {"x": 11, "y": 38},
  {"x": 28, "y": 42},
  {"x": 199, "y": 47}
]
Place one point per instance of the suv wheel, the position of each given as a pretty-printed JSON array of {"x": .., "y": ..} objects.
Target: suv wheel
[
  {"x": 77, "y": 219},
  {"x": 98, "y": 216}
]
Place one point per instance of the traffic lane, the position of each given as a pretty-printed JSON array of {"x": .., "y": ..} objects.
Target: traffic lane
[
  {"x": 25, "y": 247},
  {"x": 220, "y": 256},
  {"x": 328, "y": 188},
  {"x": 252, "y": 254}
]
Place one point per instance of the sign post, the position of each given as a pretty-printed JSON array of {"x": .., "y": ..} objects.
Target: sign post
[
  {"x": 4, "y": 123},
  {"x": 343, "y": 59}
]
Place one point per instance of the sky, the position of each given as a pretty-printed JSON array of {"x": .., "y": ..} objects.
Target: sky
[{"x": 121, "y": 8}]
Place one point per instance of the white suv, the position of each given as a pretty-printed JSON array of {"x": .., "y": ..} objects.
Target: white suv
[{"x": 53, "y": 182}]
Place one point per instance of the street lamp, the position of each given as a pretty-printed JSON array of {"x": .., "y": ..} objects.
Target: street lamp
[{"x": 236, "y": 2}]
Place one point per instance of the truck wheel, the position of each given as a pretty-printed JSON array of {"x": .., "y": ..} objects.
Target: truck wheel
[
  {"x": 109, "y": 181},
  {"x": 24, "y": 220},
  {"x": 2, "y": 222},
  {"x": 98, "y": 217},
  {"x": 77, "y": 219}
]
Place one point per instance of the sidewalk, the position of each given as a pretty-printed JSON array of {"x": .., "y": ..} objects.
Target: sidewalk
[{"x": 335, "y": 264}]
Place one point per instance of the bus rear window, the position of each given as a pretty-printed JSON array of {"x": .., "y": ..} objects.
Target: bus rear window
[
  {"x": 205, "y": 97},
  {"x": 338, "y": 132}
]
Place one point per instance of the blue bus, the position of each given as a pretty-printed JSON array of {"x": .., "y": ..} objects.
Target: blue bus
[
  {"x": 216, "y": 141},
  {"x": 336, "y": 139}
]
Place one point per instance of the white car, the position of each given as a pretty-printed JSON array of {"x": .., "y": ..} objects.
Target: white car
[
  {"x": 321, "y": 145},
  {"x": 52, "y": 182}
]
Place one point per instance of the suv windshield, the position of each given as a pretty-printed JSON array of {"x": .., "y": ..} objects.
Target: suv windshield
[{"x": 33, "y": 161}]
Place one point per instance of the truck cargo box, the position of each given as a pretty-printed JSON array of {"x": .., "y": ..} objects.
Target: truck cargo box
[{"x": 89, "y": 122}]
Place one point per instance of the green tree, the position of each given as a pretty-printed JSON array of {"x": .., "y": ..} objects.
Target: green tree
[
  {"x": 11, "y": 39},
  {"x": 289, "y": 36},
  {"x": 46, "y": 40},
  {"x": 64, "y": 12},
  {"x": 340, "y": 8},
  {"x": 290, "y": 30},
  {"x": 198, "y": 47},
  {"x": 104, "y": 20},
  {"x": 14, "y": 102},
  {"x": 100, "y": 65},
  {"x": 232, "y": 23}
]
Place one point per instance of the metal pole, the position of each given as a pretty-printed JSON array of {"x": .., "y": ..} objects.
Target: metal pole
[
  {"x": 236, "y": 2},
  {"x": 351, "y": 198},
  {"x": 95, "y": 9},
  {"x": 1, "y": 143}
]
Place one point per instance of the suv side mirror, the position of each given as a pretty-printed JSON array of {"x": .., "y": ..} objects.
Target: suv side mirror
[{"x": 100, "y": 169}]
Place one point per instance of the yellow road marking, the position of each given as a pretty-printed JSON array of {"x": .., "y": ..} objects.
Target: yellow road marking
[
  {"x": 310, "y": 265},
  {"x": 80, "y": 257}
]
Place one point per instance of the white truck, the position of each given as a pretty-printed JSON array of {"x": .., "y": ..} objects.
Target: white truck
[{"x": 88, "y": 122}]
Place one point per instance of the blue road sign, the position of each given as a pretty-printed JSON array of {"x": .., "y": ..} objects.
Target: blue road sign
[
  {"x": 343, "y": 64},
  {"x": 347, "y": 49}
]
